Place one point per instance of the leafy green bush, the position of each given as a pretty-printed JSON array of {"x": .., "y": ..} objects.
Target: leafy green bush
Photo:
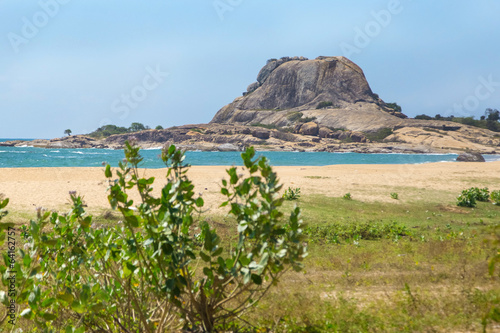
[
  {"x": 334, "y": 233},
  {"x": 469, "y": 197},
  {"x": 495, "y": 197},
  {"x": 291, "y": 194},
  {"x": 482, "y": 194},
  {"x": 347, "y": 196},
  {"x": 294, "y": 116},
  {"x": 163, "y": 267},
  {"x": 395, "y": 196},
  {"x": 108, "y": 130},
  {"x": 322, "y": 105},
  {"x": 394, "y": 106}
]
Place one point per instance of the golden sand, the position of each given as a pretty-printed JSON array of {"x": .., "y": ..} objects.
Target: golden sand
[{"x": 28, "y": 188}]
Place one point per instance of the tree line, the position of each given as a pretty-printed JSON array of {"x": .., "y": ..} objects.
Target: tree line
[{"x": 490, "y": 119}]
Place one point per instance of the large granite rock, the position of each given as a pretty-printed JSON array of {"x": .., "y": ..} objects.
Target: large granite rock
[
  {"x": 287, "y": 85},
  {"x": 309, "y": 129},
  {"x": 308, "y": 82},
  {"x": 470, "y": 157}
]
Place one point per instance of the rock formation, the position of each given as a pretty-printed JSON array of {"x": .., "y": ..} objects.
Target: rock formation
[
  {"x": 470, "y": 157},
  {"x": 331, "y": 90}
]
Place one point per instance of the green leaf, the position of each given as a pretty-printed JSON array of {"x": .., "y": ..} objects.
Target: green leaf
[
  {"x": 48, "y": 302},
  {"x": 77, "y": 307},
  {"x": 244, "y": 261},
  {"x": 3, "y": 298},
  {"x": 4, "y": 203},
  {"x": 26, "y": 261},
  {"x": 86, "y": 222},
  {"x": 49, "y": 316},
  {"x": 50, "y": 242},
  {"x": 208, "y": 272},
  {"x": 257, "y": 279},
  {"x": 204, "y": 256},
  {"x": 107, "y": 172},
  {"x": 217, "y": 252},
  {"x": 199, "y": 202},
  {"x": 97, "y": 307},
  {"x": 229, "y": 263},
  {"x": 66, "y": 297},
  {"x": 133, "y": 220},
  {"x": 27, "y": 313}
]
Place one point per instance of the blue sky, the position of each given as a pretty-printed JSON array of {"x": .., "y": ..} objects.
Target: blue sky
[{"x": 79, "y": 64}]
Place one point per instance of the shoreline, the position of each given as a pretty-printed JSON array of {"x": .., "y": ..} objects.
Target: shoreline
[{"x": 357, "y": 148}]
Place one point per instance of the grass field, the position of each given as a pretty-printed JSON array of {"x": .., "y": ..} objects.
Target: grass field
[
  {"x": 403, "y": 266},
  {"x": 381, "y": 267}
]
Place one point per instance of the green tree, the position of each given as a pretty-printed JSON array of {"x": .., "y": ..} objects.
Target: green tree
[
  {"x": 423, "y": 117},
  {"x": 67, "y": 132},
  {"x": 159, "y": 127},
  {"x": 394, "y": 106},
  {"x": 136, "y": 127},
  {"x": 107, "y": 130}
]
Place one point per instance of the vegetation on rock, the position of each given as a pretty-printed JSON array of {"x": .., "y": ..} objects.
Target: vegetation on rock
[
  {"x": 490, "y": 120},
  {"x": 108, "y": 130}
]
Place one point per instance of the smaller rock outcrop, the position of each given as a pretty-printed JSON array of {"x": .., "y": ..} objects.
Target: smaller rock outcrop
[
  {"x": 310, "y": 128},
  {"x": 228, "y": 147},
  {"x": 325, "y": 132},
  {"x": 264, "y": 135},
  {"x": 470, "y": 157}
]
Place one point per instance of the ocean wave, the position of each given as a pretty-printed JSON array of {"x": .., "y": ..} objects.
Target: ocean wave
[
  {"x": 86, "y": 153},
  {"x": 154, "y": 148}
]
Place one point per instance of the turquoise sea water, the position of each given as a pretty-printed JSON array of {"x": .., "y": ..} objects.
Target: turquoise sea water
[{"x": 28, "y": 157}]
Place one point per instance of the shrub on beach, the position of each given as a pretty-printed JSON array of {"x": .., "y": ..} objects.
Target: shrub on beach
[
  {"x": 495, "y": 197},
  {"x": 291, "y": 194},
  {"x": 469, "y": 197},
  {"x": 163, "y": 267}
]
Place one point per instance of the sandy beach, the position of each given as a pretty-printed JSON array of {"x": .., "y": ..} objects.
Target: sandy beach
[{"x": 29, "y": 188}]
